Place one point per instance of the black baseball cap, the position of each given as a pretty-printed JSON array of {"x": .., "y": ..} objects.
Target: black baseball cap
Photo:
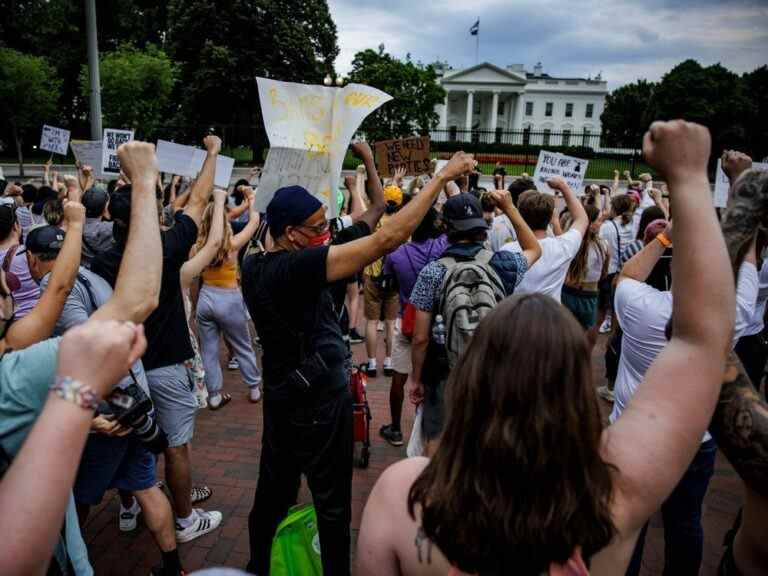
[
  {"x": 94, "y": 200},
  {"x": 44, "y": 239},
  {"x": 463, "y": 212}
]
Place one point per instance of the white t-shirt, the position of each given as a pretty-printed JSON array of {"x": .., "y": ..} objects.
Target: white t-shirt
[
  {"x": 643, "y": 313},
  {"x": 547, "y": 274},
  {"x": 645, "y": 202},
  {"x": 756, "y": 323},
  {"x": 595, "y": 260},
  {"x": 615, "y": 232}
]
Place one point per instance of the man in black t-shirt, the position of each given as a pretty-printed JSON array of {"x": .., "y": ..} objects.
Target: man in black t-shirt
[
  {"x": 168, "y": 344},
  {"x": 307, "y": 404}
]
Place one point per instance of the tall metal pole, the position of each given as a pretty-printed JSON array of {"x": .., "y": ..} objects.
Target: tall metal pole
[{"x": 93, "y": 69}]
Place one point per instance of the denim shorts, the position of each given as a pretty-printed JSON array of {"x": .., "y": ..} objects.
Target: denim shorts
[{"x": 110, "y": 462}]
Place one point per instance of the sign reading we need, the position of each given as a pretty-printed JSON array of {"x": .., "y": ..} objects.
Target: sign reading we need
[
  {"x": 552, "y": 164},
  {"x": 409, "y": 153}
]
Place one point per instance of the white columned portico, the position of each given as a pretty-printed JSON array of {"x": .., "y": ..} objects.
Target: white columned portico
[
  {"x": 470, "y": 109},
  {"x": 517, "y": 123},
  {"x": 444, "y": 113},
  {"x": 495, "y": 111}
]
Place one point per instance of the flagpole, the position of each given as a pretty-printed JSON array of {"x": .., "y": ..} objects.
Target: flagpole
[{"x": 477, "y": 43}]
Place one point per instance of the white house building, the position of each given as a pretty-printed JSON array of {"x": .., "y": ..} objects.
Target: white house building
[{"x": 490, "y": 100}]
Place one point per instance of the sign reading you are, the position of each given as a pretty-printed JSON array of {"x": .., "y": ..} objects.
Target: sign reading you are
[{"x": 409, "y": 153}]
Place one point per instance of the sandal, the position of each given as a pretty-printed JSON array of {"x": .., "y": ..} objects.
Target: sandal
[
  {"x": 200, "y": 494},
  {"x": 225, "y": 399}
]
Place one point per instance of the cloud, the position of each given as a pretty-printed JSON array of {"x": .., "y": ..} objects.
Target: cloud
[{"x": 623, "y": 39}]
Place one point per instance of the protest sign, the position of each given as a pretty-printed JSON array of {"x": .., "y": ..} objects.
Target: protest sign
[
  {"x": 176, "y": 159},
  {"x": 110, "y": 164},
  {"x": 224, "y": 167},
  {"x": 552, "y": 164},
  {"x": 54, "y": 139},
  {"x": 88, "y": 153},
  {"x": 723, "y": 185},
  {"x": 409, "y": 153},
  {"x": 317, "y": 123}
]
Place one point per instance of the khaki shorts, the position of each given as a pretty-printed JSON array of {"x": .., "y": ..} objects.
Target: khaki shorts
[
  {"x": 401, "y": 351},
  {"x": 380, "y": 304}
]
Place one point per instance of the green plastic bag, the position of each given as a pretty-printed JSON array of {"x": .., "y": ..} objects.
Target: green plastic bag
[{"x": 296, "y": 547}]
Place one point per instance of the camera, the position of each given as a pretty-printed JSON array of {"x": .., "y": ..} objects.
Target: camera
[{"x": 134, "y": 409}]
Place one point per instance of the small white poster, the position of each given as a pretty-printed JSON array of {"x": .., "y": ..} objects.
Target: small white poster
[
  {"x": 110, "y": 164},
  {"x": 175, "y": 158},
  {"x": 317, "y": 122},
  {"x": 54, "y": 139},
  {"x": 88, "y": 153},
  {"x": 723, "y": 185},
  {"x": 224, "y": 167},
  {"x": 552, "y": 164}
]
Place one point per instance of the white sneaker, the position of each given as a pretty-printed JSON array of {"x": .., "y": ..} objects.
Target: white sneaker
[
  {"x": 606, "y": 393},
  {"x": 233, "y": 364},
  {"x": 128, "y": 517},
  {"x": 387, "y": 366},
  {"x": 203, "y": 523},
  {"x": 605, "y": 327},
  {"x": 255, "y": 394},
  {"x": 380, "y": 326}
]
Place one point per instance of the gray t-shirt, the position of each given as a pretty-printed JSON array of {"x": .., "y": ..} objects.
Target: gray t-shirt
[
  {"x": 97, "y": 238},
  {"x": 81, "y": 304}
]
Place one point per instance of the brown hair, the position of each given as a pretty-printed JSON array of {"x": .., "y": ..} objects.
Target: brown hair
[
  {"x": 518, "y": 481},
  {"x": 202, "y": 237},
  {"x": 623, "y": 205},
  {"x": 578, "y": 266},
  {"x": 536, "y": 209}
]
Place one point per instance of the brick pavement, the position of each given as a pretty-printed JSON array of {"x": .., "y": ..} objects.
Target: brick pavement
[{"x": 226, "y": 456}]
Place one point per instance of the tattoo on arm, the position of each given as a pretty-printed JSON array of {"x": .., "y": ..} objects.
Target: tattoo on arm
[
  {"x": 740, "y": 427},
  {"x": 422, "y": 542}
]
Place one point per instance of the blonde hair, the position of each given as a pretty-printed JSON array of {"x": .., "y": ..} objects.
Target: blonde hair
[{"x": 202, "y": 237}]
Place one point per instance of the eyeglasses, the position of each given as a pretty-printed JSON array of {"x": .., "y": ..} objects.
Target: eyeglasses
[{"x": 319, "y": 229}]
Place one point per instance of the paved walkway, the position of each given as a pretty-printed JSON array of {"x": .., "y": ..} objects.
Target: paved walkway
[{"x": 226, "y": 457}]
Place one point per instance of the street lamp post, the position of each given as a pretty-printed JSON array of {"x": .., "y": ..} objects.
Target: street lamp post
[{"x": 93, "y": 69}]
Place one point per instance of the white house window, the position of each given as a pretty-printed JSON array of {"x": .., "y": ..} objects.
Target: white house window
[
  {"x": 548, "y": 109},
  {"x": 590, "y": 110},
  {"x": 569, "y": 110},
  {"x": 529, "y": 108},
  {"x": 547, "y": 133},
  {"x": 501, "y": 109},
  {"x": 566, "y": 137}
]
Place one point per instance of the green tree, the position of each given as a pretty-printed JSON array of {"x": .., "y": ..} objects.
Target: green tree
[
  {"x": 29, "y": 90},
  {"x": 413, "y": 87},
  {"x": 628, "y": 112},
  {"x": 756, "y": 87},
  {"x": 223, "y": 46},
  {"x": 136, "y": 88}
]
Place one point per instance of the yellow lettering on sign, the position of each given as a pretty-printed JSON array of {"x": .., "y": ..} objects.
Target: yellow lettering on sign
[
  {"x": 281, "y": 106},
  {"x": 360, "y": 100},
  {"x": 312, "y": 107},
  {"x": 317, "y": 144}
]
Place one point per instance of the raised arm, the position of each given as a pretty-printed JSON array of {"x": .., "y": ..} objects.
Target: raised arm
[
  {"x": 375, "y": 211},
  {"x": 36, "y": 488},
  {"x": 137, "y": 287},
  {"x": 580, "y": 220},
  {"x": 203, "y": 186},
  {"x": 193, "y": 267},
  {"x": 654, "y": 440},
  {"x": 346, "y": 259},
  {"x": 40, "y": 322},
  {"x": 640, "y": 266},
  {"x": 525, "y": 236},
  {"x": 244, "y": 236}
]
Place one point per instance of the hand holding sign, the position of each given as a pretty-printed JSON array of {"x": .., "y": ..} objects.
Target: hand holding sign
[
  {"x": 571, "y": 170},
  {"x": 54, "y": 140}
]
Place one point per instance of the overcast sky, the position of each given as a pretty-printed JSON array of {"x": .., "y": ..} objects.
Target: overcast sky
[{"x": 623, "y": 39}]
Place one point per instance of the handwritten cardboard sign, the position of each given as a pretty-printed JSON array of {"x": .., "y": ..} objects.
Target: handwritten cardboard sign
[
  {"x": 317, "y": 123},
  {"x": 88, "y": 153},
  {"x": 552, "y": 164},
  {"x": 409, "y": 153},
  {"x": 110, "y": 163},
  {"x": 54, "y": 139}
]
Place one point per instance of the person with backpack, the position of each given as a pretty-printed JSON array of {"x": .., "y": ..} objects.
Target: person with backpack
[{"x": 453, "y": 294}]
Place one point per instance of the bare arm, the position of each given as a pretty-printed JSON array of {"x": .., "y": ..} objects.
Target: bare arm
[
  {"x": 580, "y": 220},
  {"x": 203, "y": 186},
  {"x": 40, "y": 322},
  {"x": 346, "y": 259},
  {"x": 525, "y": 236},
  {"x": 193, "y": 267},
  {"x": 137, "y": 287},
  {"x": 664, "y": 424},
  {"x": 375, "y": 211},
  {"x": 640, "y": 266},
  {"x": 244, "y": 236},
  {"x": 615, "y": 185}
]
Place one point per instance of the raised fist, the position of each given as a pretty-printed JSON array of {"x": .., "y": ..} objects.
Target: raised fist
[
  {"x": 677, "y": 149},
  {"x": 362, "y": 150},
  {"x": 74, "y": 211},
  {"x": 212, "y": 144},
  {"x": 460, "y": 163},
  {"x": 138, "y": 162},
  {"x": 734, "y": 163}
]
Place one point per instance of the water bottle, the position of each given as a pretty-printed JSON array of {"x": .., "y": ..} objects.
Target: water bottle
[{"x": 438, "y": 330}]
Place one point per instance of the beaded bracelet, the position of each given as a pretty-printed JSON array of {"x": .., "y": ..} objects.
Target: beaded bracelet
[{"x": 76, "y": 392}]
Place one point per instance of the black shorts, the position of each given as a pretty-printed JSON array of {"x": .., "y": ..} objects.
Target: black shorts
[{"x": 605, "y": 299}]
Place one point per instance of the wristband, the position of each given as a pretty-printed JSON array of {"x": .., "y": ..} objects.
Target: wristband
[
  {"x": 76, "y": 392},
  {"x": 666, "y": 242}
]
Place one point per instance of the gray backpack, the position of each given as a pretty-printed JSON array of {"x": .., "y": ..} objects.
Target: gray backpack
[{"x": 470, "y": 290}]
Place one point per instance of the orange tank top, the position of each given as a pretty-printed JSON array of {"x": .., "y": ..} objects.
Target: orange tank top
[{"x": 224, "y": 276}]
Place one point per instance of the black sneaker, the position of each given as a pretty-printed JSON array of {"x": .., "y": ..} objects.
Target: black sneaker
[
  {"x": 371, "y": 371},
  {"x": 394, "y": 437},
  {"x": 354, "y": 337}
]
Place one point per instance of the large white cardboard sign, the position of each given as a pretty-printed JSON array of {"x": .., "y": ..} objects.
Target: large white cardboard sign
[
  {"x": 54, "y": 139},
  {"x": 188, "y": 161},
  {"x": 723, "y": 185},
  {"x": 88, "y": 153},
  {"x": 309, "y": 128},
  {"x": 110, "y": 164},
  {"x": 551, "y": 164}
]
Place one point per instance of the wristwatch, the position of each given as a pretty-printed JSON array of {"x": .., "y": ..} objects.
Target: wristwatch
[
  {"x": 666, "y": 242},
  {"x": 76, "y": 392}
]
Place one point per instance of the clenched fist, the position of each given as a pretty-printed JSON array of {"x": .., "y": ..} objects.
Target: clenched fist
[
  {"x": 460, "y": 163},
  {"x": 212, "y": 144},
  {"x": 678, "y": 149},
  {"x": 138, "y": 162}
]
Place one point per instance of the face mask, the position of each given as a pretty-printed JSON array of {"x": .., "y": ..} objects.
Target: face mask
[{"x": 319, "y": 240}]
